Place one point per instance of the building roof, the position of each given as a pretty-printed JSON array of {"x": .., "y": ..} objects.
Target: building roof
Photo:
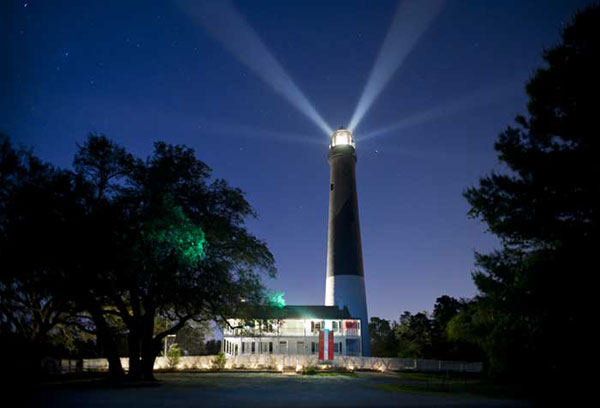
[{"x": 299, "y": 312}]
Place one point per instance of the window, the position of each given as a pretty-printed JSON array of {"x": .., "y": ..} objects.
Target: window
[
  {"x": 244, "y": 348},
  {"x": 352, "y": 347},
  {"x": 336, "y": 347},
  {"x": 270, "y": 347},
  {"x": 253, "y": 347},
  {"x": 316, "y": 327},
  {"x": 313, "y": 347},
  {"x": 331, "y": 187}
]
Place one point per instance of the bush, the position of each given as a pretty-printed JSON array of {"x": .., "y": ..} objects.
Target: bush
[
  {"x": 310, "y": 370},
  {"x": 173, "y": 355},
  {"x": 219, "y": 361}
]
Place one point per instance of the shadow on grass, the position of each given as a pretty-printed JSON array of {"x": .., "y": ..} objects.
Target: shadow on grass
[{"x": 453, "y": 384}]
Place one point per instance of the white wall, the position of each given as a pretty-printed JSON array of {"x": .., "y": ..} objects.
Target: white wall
[{"x": 265, "y": 361}]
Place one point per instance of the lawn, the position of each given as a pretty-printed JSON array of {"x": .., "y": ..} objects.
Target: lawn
[{"x": 223, "y": 389}]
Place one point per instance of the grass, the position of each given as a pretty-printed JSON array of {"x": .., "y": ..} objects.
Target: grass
[
  {"x": 457, "y": 384},
  {"x": 333, "y": 374}
]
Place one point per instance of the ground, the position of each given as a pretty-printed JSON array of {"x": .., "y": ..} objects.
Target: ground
[{"x": 265, "y": 390}]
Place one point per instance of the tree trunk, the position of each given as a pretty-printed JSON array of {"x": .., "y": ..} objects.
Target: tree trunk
[
  {"x": 148, "y": 358},
  {"x": 150, "y": 349},
  {"x": 115, "y": 369},
  {"x": 135, "y": 367},
  {"x": 107, "y": 342}
]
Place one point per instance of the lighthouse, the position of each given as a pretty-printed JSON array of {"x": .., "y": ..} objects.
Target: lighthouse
[{"x": 345, "y": 284}]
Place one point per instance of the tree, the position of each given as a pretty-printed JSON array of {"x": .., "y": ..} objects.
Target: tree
[
  {"x": 533, "y": 291},
  {"x": 383, "y": 342},
  {"x": 191, "y": 339},
  {"x": 182, "y": 250},
  {"x": 444, "y": 346},
  {"x": 120, "y": 242},
  {"x": 213, "y": 347},
  {"x": 37, "y": 215},
  {"x": 414, "y": 334}
]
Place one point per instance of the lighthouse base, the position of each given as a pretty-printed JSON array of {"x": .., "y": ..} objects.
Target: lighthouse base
[{"x": 349, "y": 291}]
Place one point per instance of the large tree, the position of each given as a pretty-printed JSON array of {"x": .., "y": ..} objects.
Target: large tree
[
  {"x": 119, "y": 242},
  {"x": 530, "y": 314},
  {"x": 183, "y": 252}
]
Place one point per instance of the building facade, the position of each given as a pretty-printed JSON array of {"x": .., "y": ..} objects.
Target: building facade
[{"x": 292, "y": 330}]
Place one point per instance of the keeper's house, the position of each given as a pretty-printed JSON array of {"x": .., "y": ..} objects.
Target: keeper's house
[{"x": 292, "y": 330}]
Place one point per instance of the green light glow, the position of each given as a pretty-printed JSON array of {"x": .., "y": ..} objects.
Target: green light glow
[
  {"x": 176, "y": 235},
  {"x": 276, "y": 299}
]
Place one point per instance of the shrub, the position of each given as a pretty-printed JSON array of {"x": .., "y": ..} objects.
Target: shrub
[
  {"x": 310, "y": 370},
  {"x": 219, "y": 361},
  {"x": 173, "y": 355}
]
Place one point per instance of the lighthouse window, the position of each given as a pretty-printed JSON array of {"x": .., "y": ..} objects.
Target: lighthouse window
[{"x": 331, "y": 187}]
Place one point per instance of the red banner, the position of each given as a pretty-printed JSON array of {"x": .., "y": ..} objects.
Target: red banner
[
  {"x": 321, "y": 346},
  {"x": 326, "y": 345},
  {"x": 350, "y": 324}
]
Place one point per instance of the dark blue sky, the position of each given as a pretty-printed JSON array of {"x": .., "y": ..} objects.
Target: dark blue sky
[{"x": 141, "y": 71}]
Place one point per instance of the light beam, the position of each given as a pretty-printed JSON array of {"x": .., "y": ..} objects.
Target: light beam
[
  {"x": 472, "y": 100},
  {"x": 228, "y": 26},
  {"x": 228, "y": 129},
  {"x": 411, "y": 20}
]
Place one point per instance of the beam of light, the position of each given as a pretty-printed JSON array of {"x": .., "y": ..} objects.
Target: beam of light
[
  {"x": 411, "y": 20},
  {"x": 235, "y": 130},
  {"x": 225, "y": 23},
  {"x": 464, "y": 103}
]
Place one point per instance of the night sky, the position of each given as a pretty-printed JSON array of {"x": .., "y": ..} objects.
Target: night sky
[{"x": 142, "y": 71}]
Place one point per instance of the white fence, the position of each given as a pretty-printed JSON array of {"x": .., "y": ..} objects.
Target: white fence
[{"x": 279, "y": 362}]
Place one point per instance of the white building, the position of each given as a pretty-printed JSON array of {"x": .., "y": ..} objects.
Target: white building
[{"x": 292, "y": 330}]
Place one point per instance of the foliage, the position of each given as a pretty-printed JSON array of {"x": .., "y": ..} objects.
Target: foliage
[
  {"x": 420, "y": 335},
  {"x": 544, "y": 210},
  {"x": 119, "y": 242},
  {"x": 173, "y": 355},
  {"x": 276, "y": 299},
  {"x": 309, "y": 370},
  {"x": 219, "y": 361},
  {"x": 383, "y": 340},
  {"x": 213, "y": 347},
  {"x": 191, "y": 339}
]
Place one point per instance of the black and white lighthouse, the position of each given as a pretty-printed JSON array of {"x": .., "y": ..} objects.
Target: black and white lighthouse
[{"x": 345, "y": 285}]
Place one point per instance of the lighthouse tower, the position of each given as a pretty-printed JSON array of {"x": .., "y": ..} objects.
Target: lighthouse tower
[{"x": 345, "y": 285}]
